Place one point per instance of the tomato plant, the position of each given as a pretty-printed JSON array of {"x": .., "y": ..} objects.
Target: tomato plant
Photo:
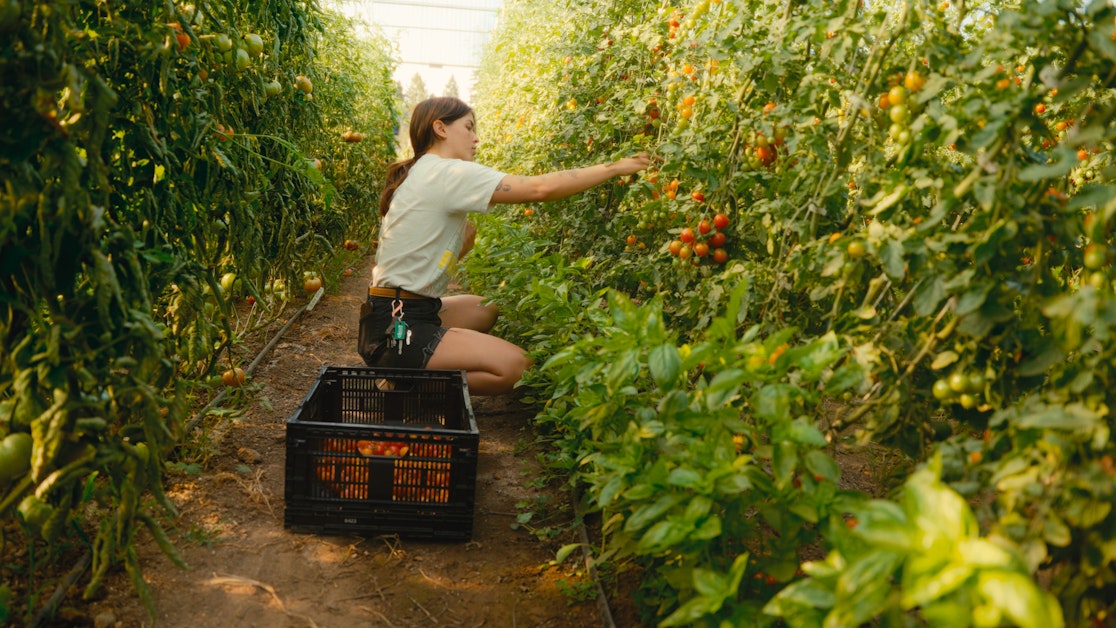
[
  {"x": 894, "y": 176},
  {"x": 151, "y": 174}
]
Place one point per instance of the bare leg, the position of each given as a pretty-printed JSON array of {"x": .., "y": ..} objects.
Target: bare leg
[
  {"x": 466, "y": 312},
  {"x": 492, "y": 365}
]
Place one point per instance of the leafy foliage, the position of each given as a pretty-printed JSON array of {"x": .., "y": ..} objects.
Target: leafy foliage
[
  {"x": 150, "y": 151},
  {"x": 923, "y": 189}
]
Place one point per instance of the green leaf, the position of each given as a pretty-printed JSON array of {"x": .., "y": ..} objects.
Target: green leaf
[
  {"x": 785, "y": 461},
  {"x": 808, "y": 592},
  {"x": 890, "y": 254},
  {"x": 984, "y": 553},
  {"x": 864, "y": 586},
  {"x": 772, "y": 402},
  {"x": 684, "y": 478},
  {"x": 664, "y": 363},
  {"x": 1074, "y": 417},
  {"x": 846, "y": 377},
  {"x": 624, "y": 369},
  {"x": 1017, "y": 598},
  {"x": 648, "y": 513},
  {"x": 1056, "y": 169},
  {"x": 724, "y": 388},
  {"x": 1055, "y": 531},
  {"x": 926, "y": 579},
  {"x": 820, "y": 463},
  {"x": 885, "y": 526},
  {"x": 565, "y": 551},
  {"x": 929, "y": 295},
  {"x": 944, "y": 359},
  {"x": 664, "y": 535},
  {"x": 802, "y": 431}
]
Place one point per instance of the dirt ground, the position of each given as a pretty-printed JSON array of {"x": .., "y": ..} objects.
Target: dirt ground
[{"x": 246, "y": 570}]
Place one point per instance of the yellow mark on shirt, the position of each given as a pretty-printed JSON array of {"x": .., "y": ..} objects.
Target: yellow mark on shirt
[{"x": 447, "y": 259}]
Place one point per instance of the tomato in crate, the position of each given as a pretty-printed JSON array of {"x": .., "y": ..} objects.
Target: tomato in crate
[{"x": 383, "y": 451}]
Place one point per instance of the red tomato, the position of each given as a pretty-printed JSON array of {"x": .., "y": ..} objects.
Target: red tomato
[
  {"x": 697, "y": 196},
  {"x": 701, "y": 249},
  {"x": 705, "y": 227},
  {"x": 720, "y": 255},
  {"x": 717, "y": 240},
  {"x": 675, "y": 247},
  {"x": 765, "y": 155},
  {"x": 720, "y": 221},
  {"x": 687, "y": 235}
]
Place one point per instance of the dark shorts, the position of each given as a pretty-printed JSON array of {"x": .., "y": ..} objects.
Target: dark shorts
[{"x": 423, "y": 321}]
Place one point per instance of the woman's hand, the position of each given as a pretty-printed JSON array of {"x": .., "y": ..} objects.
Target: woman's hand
[{"x": 631, "y": 165}]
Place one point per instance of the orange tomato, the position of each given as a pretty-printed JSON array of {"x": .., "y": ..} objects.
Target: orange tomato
[{"x": 233, "y": 377}]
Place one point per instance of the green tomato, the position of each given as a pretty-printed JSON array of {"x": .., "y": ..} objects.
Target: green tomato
[
  {"x": 942, "y": 390},
  {"x": 958, "y": 383},
  {"x": 1098, "y": 279},
  {"x": 255, "y": 44},
  {"x": 974, "y": 382},
  {"x": 227, "y": 281},
  {"x": 242, "y": 59},
  {"x": 35, "y": 512},
  {"x": 15, "y": 455},
  {"x": 223, "y": 42},
  {"x": 899, "y": 114},
  {"x": 1095, "y": 256}
]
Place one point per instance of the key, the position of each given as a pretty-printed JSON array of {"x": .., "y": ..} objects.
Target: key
[
  {"x": 408, "y": 339},
  {"x": 399, "y": 330}
]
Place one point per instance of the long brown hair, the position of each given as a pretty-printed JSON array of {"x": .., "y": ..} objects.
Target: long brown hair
[{"x": 446, "y": 109}]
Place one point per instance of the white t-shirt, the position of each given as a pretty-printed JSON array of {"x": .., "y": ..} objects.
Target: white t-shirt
[{"x": 424, "y": 228}]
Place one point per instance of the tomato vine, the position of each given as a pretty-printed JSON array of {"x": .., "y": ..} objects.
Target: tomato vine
[
  {"x": 158, "y": 165},
  {"x": 925, "y": 189}
]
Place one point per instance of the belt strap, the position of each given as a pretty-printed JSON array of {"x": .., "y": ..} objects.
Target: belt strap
[{"x": 396, "y": 293}]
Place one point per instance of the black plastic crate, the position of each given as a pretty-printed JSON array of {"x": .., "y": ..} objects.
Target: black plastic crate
[{"x": 383, "y": 451}]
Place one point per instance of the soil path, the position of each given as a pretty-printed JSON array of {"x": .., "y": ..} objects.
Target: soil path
[{"x": 246, "y": 570}]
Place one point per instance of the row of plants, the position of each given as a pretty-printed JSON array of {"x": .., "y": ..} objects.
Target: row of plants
[
  {"x": 914, "y": 207},
  {"x": 160, "y": 163}
]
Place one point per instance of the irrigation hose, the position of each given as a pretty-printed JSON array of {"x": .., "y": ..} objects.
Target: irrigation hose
[
  {"x": 602, "y": 598},
  {"x": 47, "y": 612},
  {"x": 192, "y": 423}
]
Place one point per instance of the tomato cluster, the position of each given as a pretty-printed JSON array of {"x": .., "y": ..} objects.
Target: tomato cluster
[
  {"x": 896, "y": 101},
  {"x": 964, "y": 388},
  {"x": 382, "y": 448},
  {"x": 708, "y": 240}
]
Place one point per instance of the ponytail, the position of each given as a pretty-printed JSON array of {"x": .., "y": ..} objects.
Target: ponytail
[
  {"x": 446, "y": 109},
  {"x": 396, "y": 173}
]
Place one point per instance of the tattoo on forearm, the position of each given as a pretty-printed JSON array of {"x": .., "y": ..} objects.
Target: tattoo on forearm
[{"x": 503, "y": 187}]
